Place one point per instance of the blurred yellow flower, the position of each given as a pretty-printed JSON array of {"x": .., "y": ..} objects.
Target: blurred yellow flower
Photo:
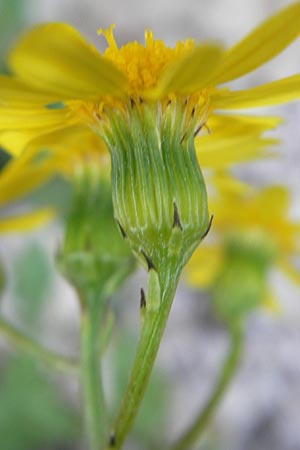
[
  {"x": 70, "y": 150},
  {"x": 18, "y": 178},
  {"x": 253, "y": 220}
]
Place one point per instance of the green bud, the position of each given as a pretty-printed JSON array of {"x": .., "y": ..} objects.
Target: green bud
[
  {"x": 159, "y": 194},
  {"x": 241, "y": 284},
  {"x": 93, "y": 255}
]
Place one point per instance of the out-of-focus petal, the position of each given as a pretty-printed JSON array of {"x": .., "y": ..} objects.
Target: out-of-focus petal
[
  {"x": 55, "y": 57},
  {"x": 190, "y": 73},
  {"x": 25, "y": 221},
  {"x": 261, "y": 45},
  {"x": 274, "y": 93},
  {"x": 203, "y": 266},
  {"x": 218, "y": 153}
]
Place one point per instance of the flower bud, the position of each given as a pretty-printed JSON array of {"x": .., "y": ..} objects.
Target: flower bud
[
  {"x": 93, "y": 255},
  {"x": 242, "y": 282}
]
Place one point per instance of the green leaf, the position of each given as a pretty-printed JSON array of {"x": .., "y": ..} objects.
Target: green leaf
[
  {"x": 32, "y": 282},
  {"x": 33, "y": 413},
  {"x": 11, "y": 18}
]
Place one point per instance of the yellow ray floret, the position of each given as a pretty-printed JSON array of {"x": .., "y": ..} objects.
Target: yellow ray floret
[{"x": 56, "y": 58}]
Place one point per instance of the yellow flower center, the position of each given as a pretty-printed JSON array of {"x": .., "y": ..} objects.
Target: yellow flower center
[{"x": 143, "y": 64}]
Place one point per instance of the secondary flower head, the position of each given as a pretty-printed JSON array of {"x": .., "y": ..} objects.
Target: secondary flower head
[
  {"x": 148, "y": 103},
  {"x": 71, "y": 151},
  {"x": 252, "y": 234},
  {"x": 17, "y": 180}
]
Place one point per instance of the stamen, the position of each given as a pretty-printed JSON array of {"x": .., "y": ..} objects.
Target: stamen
[
  {"x": 109, "y": 36},
  {"x": 148, "y": 38}
]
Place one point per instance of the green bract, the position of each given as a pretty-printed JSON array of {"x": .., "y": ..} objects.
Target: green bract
[{"x": 159, "y": 194}]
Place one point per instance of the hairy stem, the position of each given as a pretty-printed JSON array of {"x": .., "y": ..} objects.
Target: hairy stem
[
  {"x": 154, "y": 322},
  {"x": 93, "y": 399}
]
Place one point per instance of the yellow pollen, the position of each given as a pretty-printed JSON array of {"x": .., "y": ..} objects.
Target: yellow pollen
[{"x": 142, "y": 64}]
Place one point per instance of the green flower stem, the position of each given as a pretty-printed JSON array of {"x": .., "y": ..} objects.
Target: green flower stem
[
  {"x": 153, "y": 325},
  {"x": 91, "y": 381},
  {"x": 27, "y": 345},
  {"x": 192, "y": 435}
]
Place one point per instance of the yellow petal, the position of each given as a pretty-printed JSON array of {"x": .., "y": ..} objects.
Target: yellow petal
[
  {"x": 189, "y": 73},
  {"x": 22, "y": 175},
  {"x": 15, "y": 93},
  {"x": 15, "y": 188},
  {"x": 15, "y": 142},
  {"x": 71, "y": 140},
  {"x": 55, "y": 57},
  {"x": 221, "y": 125},
  {"x": 262, "y": 44},
  {"x": 228, "y": 185},
  {"x": 219, "y": 153},
  {"x": 275, "y": 198},
  {"x": 290, "y": 270},
  {"x": 273, "y": 93},
  {"x": 35, "y": 119},
  {"x": 18, "y": 126},
  {"x": 203, "y": 266},
  {"x": 25, "y": 221}
]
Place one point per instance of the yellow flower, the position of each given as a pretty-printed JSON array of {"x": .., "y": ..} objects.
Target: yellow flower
[
  {"x": 60, "y": 81},
  {"x": 251, "y": 220}
]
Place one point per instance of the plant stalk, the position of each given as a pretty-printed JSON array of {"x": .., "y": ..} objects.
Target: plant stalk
[
  {"x": 93, "y": 399},
  {"x": 152, "y": 330}
]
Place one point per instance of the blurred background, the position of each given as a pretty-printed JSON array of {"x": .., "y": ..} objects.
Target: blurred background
[{"x": 261, "y": 410}]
